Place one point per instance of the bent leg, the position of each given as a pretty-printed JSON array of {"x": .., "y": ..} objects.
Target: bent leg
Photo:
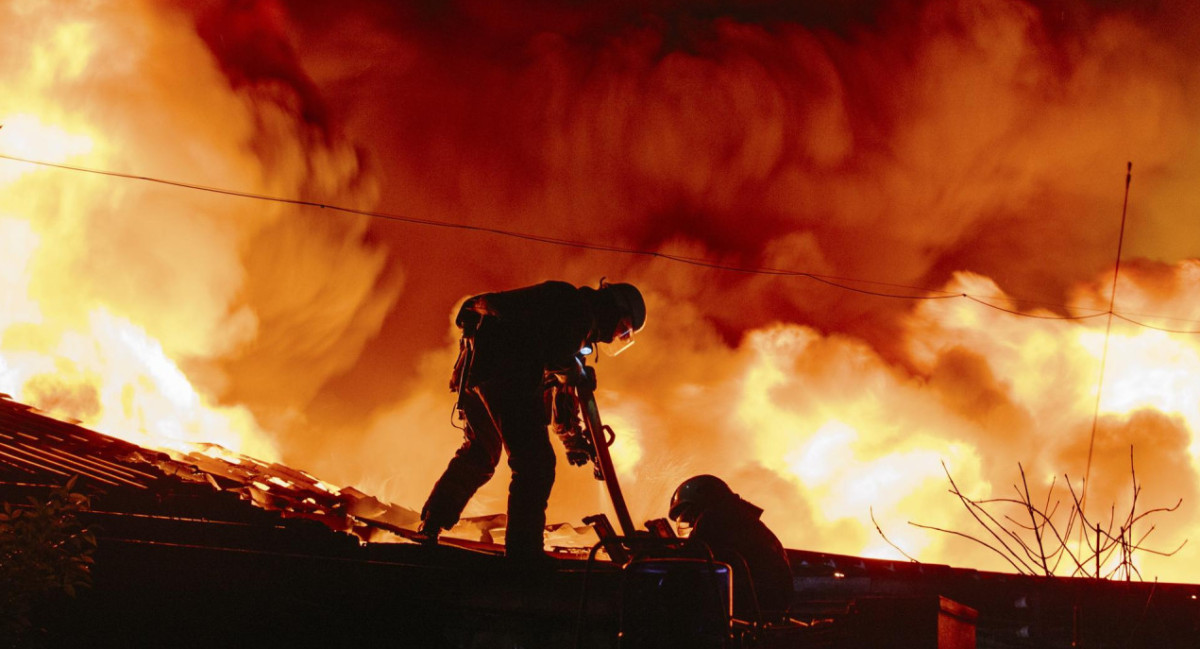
[{"x": 471, "y": 467}]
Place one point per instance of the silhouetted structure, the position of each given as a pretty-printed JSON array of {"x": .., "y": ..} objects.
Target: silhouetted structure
[{"x": 213, "y": 549}]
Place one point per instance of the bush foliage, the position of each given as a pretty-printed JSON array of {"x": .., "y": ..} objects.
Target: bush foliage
[{"x": 45, "y": 552}]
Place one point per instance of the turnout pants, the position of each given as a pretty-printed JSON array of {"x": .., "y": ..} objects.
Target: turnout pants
[{"x": 510, "y": 416}]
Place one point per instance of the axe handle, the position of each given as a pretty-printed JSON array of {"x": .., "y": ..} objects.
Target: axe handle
[{"x": 591, "y": 418}]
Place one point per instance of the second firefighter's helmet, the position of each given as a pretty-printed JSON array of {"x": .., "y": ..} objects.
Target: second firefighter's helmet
[{"x": 695, "y": 495}]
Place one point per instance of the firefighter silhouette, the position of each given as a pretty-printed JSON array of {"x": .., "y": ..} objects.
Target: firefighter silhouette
[
  {"x": 511, "y": 341},
  {"x": 732, "y": 530}
]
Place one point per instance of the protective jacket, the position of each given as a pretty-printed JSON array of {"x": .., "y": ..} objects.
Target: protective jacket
[
  {"x": 732, "y": 529},
  {"x": 519, "y": 334}
]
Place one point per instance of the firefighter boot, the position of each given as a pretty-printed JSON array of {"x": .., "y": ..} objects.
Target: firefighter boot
[
  {"x": 430, "y": 529},
  {"x": 428, "y": 533}
]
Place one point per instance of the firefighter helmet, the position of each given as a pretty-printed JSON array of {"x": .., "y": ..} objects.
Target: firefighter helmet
[
  {"x": 695, "y": 495},
  {"x": 629, "y": 303}
]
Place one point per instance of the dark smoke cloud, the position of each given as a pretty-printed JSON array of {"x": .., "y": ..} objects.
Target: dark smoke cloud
[
  {"x": 893, "y": 142},
  {"x": 318, "y": 288},
  {"x": 886, "y": 144}
]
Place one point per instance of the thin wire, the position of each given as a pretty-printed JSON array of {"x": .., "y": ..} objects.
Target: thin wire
[
  {"x": 703, "y": 263},
  {"x": 1157, "y": 328},
  {"x": 1025, "y": 314},
  {"x": 830, "y": 280}
]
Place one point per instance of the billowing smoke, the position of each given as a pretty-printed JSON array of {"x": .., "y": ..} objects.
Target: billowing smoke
[
  {"x": 123, "y": 283},
  {"x": 888, "y": 147},
  {"x": 897, "y": 150}
]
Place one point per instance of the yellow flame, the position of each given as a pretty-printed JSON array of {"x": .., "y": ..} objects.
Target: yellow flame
[
  {"x": 26, "y": 136},
  {"x": 64, "y": 347},
  {"x": 1149, "y": 369},
  {"x": 840, "y": 430},
  {"x": 625, "y": 450}
]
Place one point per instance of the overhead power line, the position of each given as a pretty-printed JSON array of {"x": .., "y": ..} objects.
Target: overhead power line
[{"x": 883, "y": 290}]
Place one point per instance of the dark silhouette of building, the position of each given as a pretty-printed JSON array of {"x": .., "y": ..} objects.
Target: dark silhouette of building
[{"x": 199, "y": 551}]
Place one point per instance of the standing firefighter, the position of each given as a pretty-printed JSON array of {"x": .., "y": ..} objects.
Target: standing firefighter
[
  {"x": 730, "y": 528},
  {"x": 511, "y": 342}
]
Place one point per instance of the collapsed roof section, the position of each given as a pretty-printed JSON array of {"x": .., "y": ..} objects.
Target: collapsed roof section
[
  {"x": 36, "y": 450},
  {"x": 212, "y": 483}
]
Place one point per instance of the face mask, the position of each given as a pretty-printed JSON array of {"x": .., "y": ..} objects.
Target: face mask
[{"x": 683, "y": 529}]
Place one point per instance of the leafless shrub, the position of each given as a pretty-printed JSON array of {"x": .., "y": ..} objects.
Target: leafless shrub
[{"x": 1034, "y": 538}]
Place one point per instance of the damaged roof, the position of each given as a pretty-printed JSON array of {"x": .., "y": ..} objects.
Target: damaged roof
[
  {"x": 35, "y": 449},
  {"x": 212, "y": 548}
]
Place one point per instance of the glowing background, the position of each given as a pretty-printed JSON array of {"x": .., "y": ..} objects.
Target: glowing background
[{"x": 970, "y": 147}]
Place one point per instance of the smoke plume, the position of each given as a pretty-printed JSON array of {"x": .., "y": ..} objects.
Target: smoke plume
[{"x": 904, "y": 219}]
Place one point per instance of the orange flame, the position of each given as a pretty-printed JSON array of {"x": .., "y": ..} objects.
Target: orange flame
[
  {"x": 174, "y": 317},
  {"x": 68, "y": 345}
]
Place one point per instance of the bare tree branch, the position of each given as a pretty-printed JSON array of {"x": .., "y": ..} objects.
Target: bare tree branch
[
  {"x": 1003, "y": 555},
  {"x": 1111, "y": 545},
  {"x": 1037, "y": 532},
  {"x": 975, "y": 511},
  {"x": 887, "y": 540}
]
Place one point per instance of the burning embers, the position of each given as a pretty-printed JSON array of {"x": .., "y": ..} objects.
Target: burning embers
[{"x": 37, "y": 450}]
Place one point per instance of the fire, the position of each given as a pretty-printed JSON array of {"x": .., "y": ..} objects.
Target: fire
[
  {"x": 129, "y": 305},
  {"x": 28, "y": 137},
  {"x": 73, "y": 337},
  {"x": 861, "y": 437},
  {"x": 627, "y": 453},
  {"x": 1151, "y": 369},
  {"x": 176, "y": 317}
]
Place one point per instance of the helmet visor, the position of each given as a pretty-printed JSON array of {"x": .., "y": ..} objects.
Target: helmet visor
[
  {"x": 683, "y": 512},
  {"x": 622, "y": 338}
]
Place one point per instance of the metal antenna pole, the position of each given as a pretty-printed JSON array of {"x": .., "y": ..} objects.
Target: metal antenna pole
[{"x": 1112, "y": 298}]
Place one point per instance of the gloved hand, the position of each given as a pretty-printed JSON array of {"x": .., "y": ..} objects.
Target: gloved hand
[
  {"x": 578, "y": 458},
  {"x": 577, "y": 445}
]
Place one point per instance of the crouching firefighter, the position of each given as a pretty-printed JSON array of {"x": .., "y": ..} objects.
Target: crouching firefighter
[
  {"x": 511, "y": 342},
  {"x": 730, "y": 529}
]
